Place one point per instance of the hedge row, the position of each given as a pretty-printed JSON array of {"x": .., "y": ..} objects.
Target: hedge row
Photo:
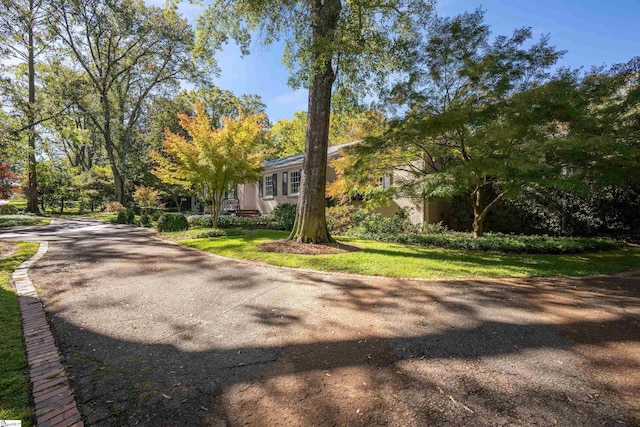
[{"x": 502, "y": 242}]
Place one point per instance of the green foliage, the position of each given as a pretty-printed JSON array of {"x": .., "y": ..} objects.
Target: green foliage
[
  {"x": 126, "y": 216},
  {"x": 172, "y": 222},
  {"x": 402, "y": 260},
  {"x": 288, "y": 136},
  {"x": 228, "y": 221},
  {"x": 607, "y": 211},
  {"x": 120, "y": 53},
  {"x": 284, "y": 216},
  {"x": 342, "y": 220},
  {"x": 8, "y": 209},
  {"x": 20, "y": 220},
  {"x": 479, "y": 112},
  {"x": 211, "y": 160},
  {"x": 501, "y": 242},
  {"x": 156, "y": 214},
  {"x": 14, "y": 383},
  {"x": 56, "y": 184},
  {"x": 374, "y": 224},
  {"x": 370, "y": 37}
]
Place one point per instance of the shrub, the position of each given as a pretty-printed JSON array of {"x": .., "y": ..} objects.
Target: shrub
[
  {"x": 126, "y": 216},
  {"x": 284, "y": 216},
  {"x": 7, "y": 209},
  {"x": 502, "y": 242},
  {"x": 435, "y": 228},
  {"x": 113, "y": 207},
  {"x": 172, "y": 222},
  {"x": 156, "y": 214},
  {"x": 343, "y": 220},
  {"x": 200, "y": 221},
  {"x": 227, "y": 221},
  {"x": 375, "y": 224}
]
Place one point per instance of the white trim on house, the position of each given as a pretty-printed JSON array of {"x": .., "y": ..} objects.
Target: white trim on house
[{"x": 298, "y": 182}]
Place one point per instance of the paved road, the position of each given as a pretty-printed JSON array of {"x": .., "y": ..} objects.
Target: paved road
[{"x": 156, "y": 334}]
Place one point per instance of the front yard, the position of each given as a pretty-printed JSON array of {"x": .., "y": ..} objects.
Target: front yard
[{"x": 401, "y": 260}]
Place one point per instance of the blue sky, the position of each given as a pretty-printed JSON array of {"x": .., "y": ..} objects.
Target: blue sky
[{"x": 593, "y": 32}]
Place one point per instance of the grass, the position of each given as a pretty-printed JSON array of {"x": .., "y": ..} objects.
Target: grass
[
  {"x": 402, "y": 260},
  {"x": 20, "y": 204},
  {"x": 22, "y": 220},
  {"x": 14, "y": 385}
]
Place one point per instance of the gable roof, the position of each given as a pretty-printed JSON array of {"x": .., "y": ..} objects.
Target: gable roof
[{"x": 332, "y": 153}]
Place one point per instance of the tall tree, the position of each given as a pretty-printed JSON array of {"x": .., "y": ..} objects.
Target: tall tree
[
  {"x": 126, "y": 51},
  {"x": 481, "y": 113},
  {"x": 212, "y": 160},
  {"x": 21, "y": 30},
  {"x": 356, "y": 43}
]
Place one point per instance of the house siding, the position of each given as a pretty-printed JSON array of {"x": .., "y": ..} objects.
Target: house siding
[{"x": 436, "y": 211}]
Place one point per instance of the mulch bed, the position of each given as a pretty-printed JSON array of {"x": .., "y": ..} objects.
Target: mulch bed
[{"x": 291, "y": 247}]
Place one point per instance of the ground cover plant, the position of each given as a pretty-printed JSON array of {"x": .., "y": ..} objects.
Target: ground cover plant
[
  {"x": 405, "y": 260},
  {"x": 202, "y": 233},
  {"x": 14, "y": 386},
  {"x": 21, "y": 220}
]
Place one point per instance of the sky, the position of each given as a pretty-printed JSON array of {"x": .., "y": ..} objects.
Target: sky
[{"x": 592, "y": 32}]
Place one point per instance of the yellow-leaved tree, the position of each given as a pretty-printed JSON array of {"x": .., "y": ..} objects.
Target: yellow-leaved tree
[{"x": 212, "y": 160}]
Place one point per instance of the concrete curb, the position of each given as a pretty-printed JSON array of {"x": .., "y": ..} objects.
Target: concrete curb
[{"x": 55, "y": 404}]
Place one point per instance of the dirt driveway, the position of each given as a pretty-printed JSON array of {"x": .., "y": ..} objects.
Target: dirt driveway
[{"x": 160, "y": 335}]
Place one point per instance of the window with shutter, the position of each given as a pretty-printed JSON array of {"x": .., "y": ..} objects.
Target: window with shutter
[
  {"x": 285, "y": 183},
  {"x": 274, "y": 182}
]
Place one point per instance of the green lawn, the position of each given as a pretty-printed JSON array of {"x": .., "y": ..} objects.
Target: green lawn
[
  {"x": 20, "y": 204},
  {"x": 14, "y": 385},
  {"x": 400, "y": 260}
]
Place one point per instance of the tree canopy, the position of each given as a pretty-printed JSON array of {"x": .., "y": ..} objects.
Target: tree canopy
[
  {"x": 479, "y": 112},
  {"x": 357, "y": 44},
  {"x": 212, "y": 160}
]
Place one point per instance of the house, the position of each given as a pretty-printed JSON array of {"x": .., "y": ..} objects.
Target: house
[{"x": 282, "y": 179}]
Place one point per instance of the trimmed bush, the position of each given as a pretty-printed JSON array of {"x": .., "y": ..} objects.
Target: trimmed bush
[
  {"x": 501, "y": 242},
  {"x": 126, "y": 216},
  {"x": 228, "y": 221},
  {"x": 172, "y": 222},
  {"x": 284, "y": 216}
]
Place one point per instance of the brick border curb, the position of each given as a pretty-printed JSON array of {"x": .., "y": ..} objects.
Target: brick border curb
[{"x": 55, "y": 404}]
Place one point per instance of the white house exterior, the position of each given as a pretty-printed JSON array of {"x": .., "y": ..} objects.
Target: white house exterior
[{"x": 282, "y": 180}]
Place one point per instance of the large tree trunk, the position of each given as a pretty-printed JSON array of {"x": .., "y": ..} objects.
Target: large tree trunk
[
  {"x": 32, "y": 196},
  {"x": 311, "y": 224}
]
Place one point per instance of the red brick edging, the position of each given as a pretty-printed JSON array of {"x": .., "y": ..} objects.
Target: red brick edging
[{"x": 55, "y": 404}]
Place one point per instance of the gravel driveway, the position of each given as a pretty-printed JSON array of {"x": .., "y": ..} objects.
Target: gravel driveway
[{"x": 157, "y": 334}]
